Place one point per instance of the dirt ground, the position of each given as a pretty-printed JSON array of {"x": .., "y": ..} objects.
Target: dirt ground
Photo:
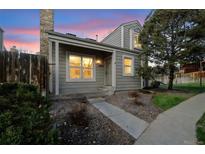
[
  {"x": 81, "y": 124},
  {"x": 138, "y": 103}
]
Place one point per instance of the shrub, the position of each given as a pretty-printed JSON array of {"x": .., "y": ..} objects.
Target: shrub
[
  {"x": 24, "y": 116},
  {"x": 200, "y": 130}
]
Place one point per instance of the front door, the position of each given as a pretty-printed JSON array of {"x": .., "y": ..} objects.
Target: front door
[{"x": 108, "y": 71}]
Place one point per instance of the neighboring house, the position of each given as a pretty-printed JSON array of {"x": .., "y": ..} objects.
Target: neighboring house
[
  {"x": 190, "y": 68},
  {"x": 80, "y": 66}
]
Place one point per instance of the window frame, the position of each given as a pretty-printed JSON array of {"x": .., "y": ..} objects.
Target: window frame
[
  {"x": 68, "y": 79},
  {"x": 139, "y": 46},
  {"x": 132, "y": 65}
]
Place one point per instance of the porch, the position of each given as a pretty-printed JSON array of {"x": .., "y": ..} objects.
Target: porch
[{"x": 77, "y": 70}]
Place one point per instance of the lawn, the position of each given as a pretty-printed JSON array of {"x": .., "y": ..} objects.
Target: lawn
[
  {"x": 200, "y": 130},
  {"x": 169, "y": 98},
  {"x": 191, "y": 87}
]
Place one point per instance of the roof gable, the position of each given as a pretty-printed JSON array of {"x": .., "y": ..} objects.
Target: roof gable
[{"x": 133, "y": 23}]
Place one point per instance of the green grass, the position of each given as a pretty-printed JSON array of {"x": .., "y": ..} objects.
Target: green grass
[
  {"x": 200, "y": 130},
  {"x": 168, "y": 100},
  {"x": 191, "y": 87}
]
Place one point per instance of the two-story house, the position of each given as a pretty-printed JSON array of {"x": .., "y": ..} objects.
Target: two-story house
[{"x": 84, "y": 66}]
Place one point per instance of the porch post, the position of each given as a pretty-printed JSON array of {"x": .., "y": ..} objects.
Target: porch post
[
  {"x": 141, "y": 78},
  {"x": 50, "y": 61},
  {"x": 57, "y": 68},
  {"x": 114, "y": 69}
]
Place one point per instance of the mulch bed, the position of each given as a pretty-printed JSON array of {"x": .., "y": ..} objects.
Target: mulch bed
[
  {"x": 138, "y": 103},
  {"x": 85, "y": 125}
]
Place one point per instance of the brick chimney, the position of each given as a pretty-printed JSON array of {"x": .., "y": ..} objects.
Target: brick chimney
[
  {"x": 46, "y": 24},
  {"x": 1, "y": 39}
]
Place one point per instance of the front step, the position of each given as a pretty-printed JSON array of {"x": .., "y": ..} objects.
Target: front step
[
  {"x": 102, "y": 92},
  {"x": 108, "y": 90},
  {"x": 83, "y": 96}
]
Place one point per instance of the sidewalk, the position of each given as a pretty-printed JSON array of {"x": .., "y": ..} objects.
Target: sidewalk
[
  {"x": 128, "y": 122},
  {"x": 175, "y": 126}
]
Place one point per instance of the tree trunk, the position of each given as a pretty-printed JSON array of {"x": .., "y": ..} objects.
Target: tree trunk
[
  {"x": 171, "y": 77},
  {"x": 146, "y": 82}
]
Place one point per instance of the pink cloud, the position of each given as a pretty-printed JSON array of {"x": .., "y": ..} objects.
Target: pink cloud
[
  {"x": 31, "y": 46},
  {"x": 23, "y": 31},
  {"x": 100, "y": 27},
  {"x": 102, "y": 33},
  {"x": 88, "y": 25}
]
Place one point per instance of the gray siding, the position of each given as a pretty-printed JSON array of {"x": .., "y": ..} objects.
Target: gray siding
[
  {"x": 76, "y": 87},
  {"x": 125, "y": 82},
  {"x": 114, "y": 38},
  {"x": 127, "y": 34}
]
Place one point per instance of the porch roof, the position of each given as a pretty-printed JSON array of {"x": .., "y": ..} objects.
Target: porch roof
[{"x": 80, "y": 41}]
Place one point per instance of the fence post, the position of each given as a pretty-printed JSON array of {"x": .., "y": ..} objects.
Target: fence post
[{"x": 201, "y": 68}]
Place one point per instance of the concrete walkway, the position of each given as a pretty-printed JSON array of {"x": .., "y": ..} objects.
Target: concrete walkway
[
  {"x": 176, "y": 125},
  {"x": 131, "y": 124}
]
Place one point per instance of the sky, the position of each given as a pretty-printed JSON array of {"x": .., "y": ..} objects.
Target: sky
[{"x": 21, "y": 27}]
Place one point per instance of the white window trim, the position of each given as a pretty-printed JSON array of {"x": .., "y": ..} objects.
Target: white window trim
[
  {"x": 134, "y": 37},
  {"x": 68, "y": 68},
  {"x": 122, "y": 37},
  {"x": 123, "y": 71},
  {"x": 131, "y": 39}
]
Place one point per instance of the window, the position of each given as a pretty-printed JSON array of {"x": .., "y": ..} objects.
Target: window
[
  {"x": 136, "y": 42},
  {"x": 80, "y": 68},
  {"x": 128, "y": 65},
  {"x": 75, "y": 67},
  {"x": 87, "y": 68}
]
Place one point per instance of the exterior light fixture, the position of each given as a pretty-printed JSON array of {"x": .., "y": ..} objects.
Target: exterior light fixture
[{"x": 99, "y": 62}]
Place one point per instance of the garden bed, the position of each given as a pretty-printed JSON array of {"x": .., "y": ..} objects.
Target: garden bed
[
  {"x": 138, "y": 103},
  {"x": 79, "y": 123},
  {"x": 24, "y": 116}
]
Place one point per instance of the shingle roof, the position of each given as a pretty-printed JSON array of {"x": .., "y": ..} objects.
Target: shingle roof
[{"x": 90, "y": 41}]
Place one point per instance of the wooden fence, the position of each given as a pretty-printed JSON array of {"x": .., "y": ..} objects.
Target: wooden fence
[
  {"x": 193, "y": 77},
  {"x": 24, "y": 68}
]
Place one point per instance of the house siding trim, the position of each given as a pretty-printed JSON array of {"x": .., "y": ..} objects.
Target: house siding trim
[
  {"x": 114, "y": 70},
  {"x": 122, "y": 37},
  {"x": 57, "y": 68},
  {"x": 131, "y": 39}
]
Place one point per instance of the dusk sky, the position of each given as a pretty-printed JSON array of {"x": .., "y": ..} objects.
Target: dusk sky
[{"x": 22, "y": 26}]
